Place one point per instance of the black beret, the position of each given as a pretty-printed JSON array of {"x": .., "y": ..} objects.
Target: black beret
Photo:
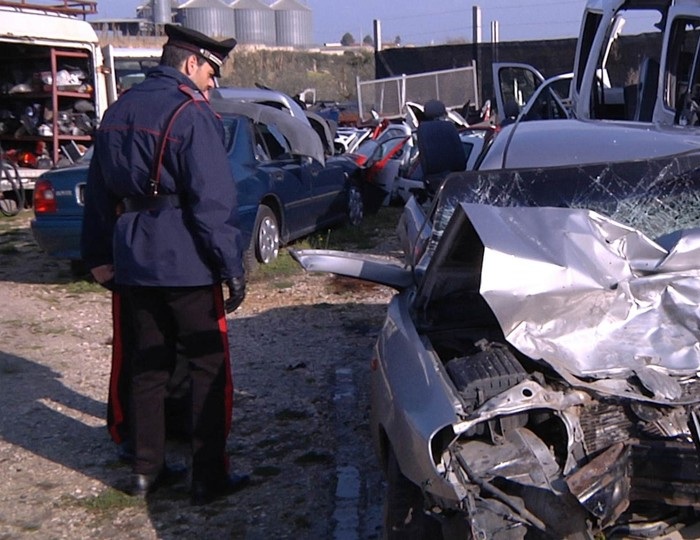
[{"x": 212, "y": 51}]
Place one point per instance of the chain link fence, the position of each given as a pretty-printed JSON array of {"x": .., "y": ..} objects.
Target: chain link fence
[{"x": 387, "y": 97}]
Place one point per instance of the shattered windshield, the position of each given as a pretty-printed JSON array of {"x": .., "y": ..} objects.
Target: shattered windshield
[{"x": 654, "y": 196}]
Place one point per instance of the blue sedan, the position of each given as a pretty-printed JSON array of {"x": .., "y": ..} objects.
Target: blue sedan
[{"x": 287, "y": 187}]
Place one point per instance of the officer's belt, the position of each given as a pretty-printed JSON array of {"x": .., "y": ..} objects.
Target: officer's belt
[{"x": 157, "y": 202}]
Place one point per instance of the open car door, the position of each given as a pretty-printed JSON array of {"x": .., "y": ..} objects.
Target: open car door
[{"x": 522, "y": 92}]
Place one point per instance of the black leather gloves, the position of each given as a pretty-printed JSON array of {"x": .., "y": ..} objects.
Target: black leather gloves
[{"x": 236, "y": 294}]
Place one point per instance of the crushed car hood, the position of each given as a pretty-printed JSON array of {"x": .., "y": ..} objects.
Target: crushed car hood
[
  {"x": 302, "y": 138},
  {"x": 600, "y": 302}
]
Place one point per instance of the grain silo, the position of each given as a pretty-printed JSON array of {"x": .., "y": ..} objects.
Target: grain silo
[
  {"x": 293, "y": 23},
  {"x": 255, "y": 22},
  {"x": 162, "y": 11},
  {"x": 211, "y": 17}
]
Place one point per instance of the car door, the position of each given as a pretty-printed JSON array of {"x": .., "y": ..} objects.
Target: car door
[
  {"x": 386, "y": 160},
  {"x": 525, "y": 87},
  {"x": 289, "y": 183},
  {"x": 548, "y": 101},
  {"x": 514, "y": 82},
  {"x": 327, "y": 184},
  {"x": 678, "y": 101}
]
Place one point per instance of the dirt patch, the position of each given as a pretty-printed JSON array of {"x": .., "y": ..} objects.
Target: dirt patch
[{"x": 290, "y": 343}]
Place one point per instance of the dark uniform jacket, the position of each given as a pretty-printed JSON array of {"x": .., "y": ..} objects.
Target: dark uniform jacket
[{"x": 195, "y": 240}]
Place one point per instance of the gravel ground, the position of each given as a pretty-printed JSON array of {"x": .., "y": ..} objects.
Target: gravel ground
[{"x": 300, "y": 347}]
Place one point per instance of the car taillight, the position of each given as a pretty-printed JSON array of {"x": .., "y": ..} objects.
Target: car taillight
[{"x": 44, "y": 197}]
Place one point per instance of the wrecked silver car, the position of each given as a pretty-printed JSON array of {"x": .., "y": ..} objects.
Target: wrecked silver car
[{"x": 537, "y": 373}]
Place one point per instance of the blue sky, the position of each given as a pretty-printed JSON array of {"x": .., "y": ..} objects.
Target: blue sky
[{"x": 420, "y": 22}]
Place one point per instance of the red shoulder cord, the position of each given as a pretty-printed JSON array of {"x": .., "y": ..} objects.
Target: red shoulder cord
[{"x": 158, "y": 163}]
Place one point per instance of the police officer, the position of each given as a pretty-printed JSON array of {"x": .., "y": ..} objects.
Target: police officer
[{"x": 161, "y": 225}]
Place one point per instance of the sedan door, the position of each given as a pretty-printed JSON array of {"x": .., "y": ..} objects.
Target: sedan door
[
  {"x": 327, "y": 186},
  {"x": 312, "y": 192},
  {"x": 288, "y": 182}
]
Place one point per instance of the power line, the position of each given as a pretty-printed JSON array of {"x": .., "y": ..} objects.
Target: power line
[
  {"x": 499, "y": 8},
  {"x": 467, "y": 29}
]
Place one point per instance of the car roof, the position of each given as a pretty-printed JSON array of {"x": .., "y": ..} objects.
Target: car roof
[
  {"x": 302, "y": 138},
  {"x": 551, "y": 143},
  {"x": 265, "y": 96}
]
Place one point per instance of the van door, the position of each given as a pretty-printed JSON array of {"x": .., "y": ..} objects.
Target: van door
[{"x": 679, "y": 100}]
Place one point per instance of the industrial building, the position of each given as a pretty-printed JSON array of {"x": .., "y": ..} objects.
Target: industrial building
[{"x": 283, "y": 23}]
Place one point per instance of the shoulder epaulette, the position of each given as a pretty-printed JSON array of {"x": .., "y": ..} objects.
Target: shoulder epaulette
[{"x": 190, "y": 92}]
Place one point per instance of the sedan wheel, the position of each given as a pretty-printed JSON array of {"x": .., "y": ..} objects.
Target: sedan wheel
[
  {"x": 267, "y": 236},
  {"x": 356, "y": 206}
]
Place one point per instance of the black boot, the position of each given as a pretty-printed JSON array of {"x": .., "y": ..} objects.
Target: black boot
[{"x": 143, "y": 485}]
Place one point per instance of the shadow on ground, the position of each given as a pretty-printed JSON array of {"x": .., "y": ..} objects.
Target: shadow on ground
[{"x": 286, "y": 430}]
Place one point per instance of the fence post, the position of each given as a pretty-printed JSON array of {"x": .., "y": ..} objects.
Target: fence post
[
  {"x": 402, "y": 100},
  {"x": 476, "y": 85}
]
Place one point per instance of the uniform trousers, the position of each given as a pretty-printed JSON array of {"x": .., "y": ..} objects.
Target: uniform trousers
[
  {"x": 171, "y": 325},
  {"x": 177, "y": 402}
]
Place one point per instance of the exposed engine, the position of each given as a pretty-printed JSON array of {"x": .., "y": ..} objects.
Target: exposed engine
[{"x": 557, "y": 460}]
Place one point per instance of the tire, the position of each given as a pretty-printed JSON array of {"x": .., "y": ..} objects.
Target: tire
[
  {"x": 8, "y": 206},
  {"x": 356, "y": 206},
  {"x": 265, "y": 244},
  {"x": 13, "y": 201},
  {"x": 404, "y": 517}
]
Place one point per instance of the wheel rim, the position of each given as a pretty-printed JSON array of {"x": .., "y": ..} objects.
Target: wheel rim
[
  {"x": 356, "y": 208},
  {"x": 268, "y": 240}
]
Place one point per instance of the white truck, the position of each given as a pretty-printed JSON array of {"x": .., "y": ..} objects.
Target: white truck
[
  {"x": 656, "y": 81},
  {"x": 52, "y": 87},
  {"x": 55, "y": 84}
]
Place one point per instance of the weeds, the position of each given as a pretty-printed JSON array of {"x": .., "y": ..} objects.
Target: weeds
[
  {"x": 11, "y": 232},
  {"x": 82, "y": 286},
  {"x": 108, "y": 502},
  {"x": 373, "y": 230},
  {"x": 13, "y": 222},
  {"x": 283, "y": 266}
]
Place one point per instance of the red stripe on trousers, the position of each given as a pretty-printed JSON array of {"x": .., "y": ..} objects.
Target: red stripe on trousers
[
  {"x": 114, "y": 400},
  {"x": 228, "y": 387}
]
